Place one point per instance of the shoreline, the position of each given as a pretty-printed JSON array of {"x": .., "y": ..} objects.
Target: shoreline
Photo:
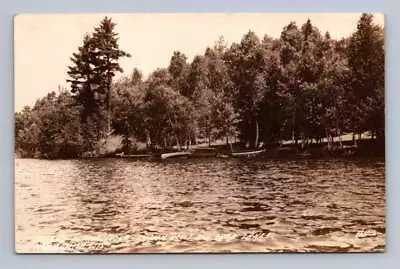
[
  {"x": 365, "y": 148},
  {"x": 268, "y": 155}
]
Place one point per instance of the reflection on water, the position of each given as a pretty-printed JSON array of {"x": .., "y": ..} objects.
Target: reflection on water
[{"x": 117, "y": 205}]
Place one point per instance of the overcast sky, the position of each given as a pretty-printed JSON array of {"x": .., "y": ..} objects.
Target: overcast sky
[{"x": 44, "y": 43}]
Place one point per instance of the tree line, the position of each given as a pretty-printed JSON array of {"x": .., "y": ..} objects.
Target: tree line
[{"x": 304, "y": 86}]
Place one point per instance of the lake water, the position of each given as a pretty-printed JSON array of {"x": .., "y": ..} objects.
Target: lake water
[{"x": 199, "y": 205}]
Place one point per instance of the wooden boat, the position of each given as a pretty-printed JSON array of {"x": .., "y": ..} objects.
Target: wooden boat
[
  {"x": 305, "y": 154},
  {"x": 247, "y": 153},
  {"x": 175, "y": 154},
  {"x": 122, "y": 155},
  {"x": 203, "y": 152}
]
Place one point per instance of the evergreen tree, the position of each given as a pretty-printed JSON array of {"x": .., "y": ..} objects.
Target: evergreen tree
[
  {"x": 310, "y": 68},
  {"x": 223, "y": 115},
  {"x": 290, "y": 51},
  {"x": 271, "y": 107},
  {"x": 169, "y": 115},
  {"x": 334, "y": 90},
  {"x": 127, "y": 107},
  {"x": 246, "y": 61},
  {"x": 178, "y": 69},
  {"x": 201, "y": 95},
  {"x": 366, "y": 58},
  {"x": 301, "y": 86},
  {"x": 94, "y": 66}
]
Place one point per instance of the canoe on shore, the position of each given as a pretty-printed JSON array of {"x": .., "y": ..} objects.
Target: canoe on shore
[
  {"x": 121, "y": 155},
  {"x": 175, "y": 154},
  {"x": 203, "y": 152},
  {"x": 247, "y": 153}
]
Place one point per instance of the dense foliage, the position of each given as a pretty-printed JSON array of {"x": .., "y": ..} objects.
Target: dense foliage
[{"x": 304, "y": 86}]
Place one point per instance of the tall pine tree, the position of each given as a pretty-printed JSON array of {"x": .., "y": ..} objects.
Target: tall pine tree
[
  {"x": 366, "y": 62},
  {"x": 94, "y": 66}
]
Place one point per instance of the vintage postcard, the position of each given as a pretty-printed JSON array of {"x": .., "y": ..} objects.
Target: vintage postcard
[{"x": 165, "y": 133}]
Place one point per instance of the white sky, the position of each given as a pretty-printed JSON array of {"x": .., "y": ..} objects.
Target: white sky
[{"x": 44, "y": 43}]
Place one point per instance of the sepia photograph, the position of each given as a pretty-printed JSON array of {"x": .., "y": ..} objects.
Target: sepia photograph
[{"x": 199, "y": 133}]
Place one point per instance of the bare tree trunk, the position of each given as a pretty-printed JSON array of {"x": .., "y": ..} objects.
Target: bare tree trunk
[
  {"x": 108, "y": 100},
  {"x": 189, "y": 142},
  {"x": 148, "y": 140},
  {"x": 194, "y": 139},
  {"x": 328, "y": 139},
  {"x": 177, "y": 142},
  {"x": 293, "y": 137},
  {"x": 257, "y": 135},
  {"x": 230, "y": 145}
]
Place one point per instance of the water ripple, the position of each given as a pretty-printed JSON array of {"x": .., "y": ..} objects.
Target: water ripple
[{"x": 117, "y": 205}]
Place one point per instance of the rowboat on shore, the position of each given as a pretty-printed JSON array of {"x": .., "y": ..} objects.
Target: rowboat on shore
[
  {"x": 175, "y": 154},
  {"x": 203, "y": 152},
  {"x": 123, "y": 155},
  {"x": 247, "y": 153}
]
